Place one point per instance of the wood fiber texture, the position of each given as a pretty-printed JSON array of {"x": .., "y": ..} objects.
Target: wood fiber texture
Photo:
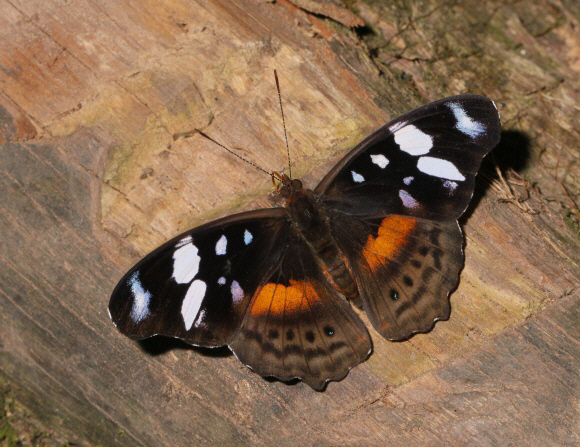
[{"x": 92, "y": 178}]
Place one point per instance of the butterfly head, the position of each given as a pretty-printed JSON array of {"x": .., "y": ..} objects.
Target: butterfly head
[{"x": 289, "y": 188}]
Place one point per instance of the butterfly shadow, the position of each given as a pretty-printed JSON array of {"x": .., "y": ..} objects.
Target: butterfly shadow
[
  {"x": 512, "y": 152},
  {"x": 291, "y": 382},
  {"x": 159, "y": 344}
]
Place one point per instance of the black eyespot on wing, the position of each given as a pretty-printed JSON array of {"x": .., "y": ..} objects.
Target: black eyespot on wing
[{"x": 329, "y": 331}]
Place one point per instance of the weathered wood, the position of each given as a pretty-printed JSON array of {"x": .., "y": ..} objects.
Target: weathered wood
[{"x": 91, "y": 96}]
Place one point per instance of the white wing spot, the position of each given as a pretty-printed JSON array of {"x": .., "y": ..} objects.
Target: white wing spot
[
  {"x": 141, "y": 299},
  {"x": 465, "y": 124},
  {"x": 407, "y": 199},
  {"x": 407, "y": 180},
  {"x": 220, "y": 247},
  {"x": 357, "y": 177},
  {"x": 450, "y": 185},
  {"x": 185, "y": 262},
  {"x": 248, "y": 237},
  {"x": 439, "y": 168},
  {"x": 184, "y": 241},
  {"x": 237, "y": 292},
  {"x": 221, "y": 281},
  {"x": 380, "y": 160},
  {"x": 413, "y": 141},
  {"x": 397, "y": 126},
  {"x": 192, "y": 302},
  {"x": 199, "y": 318}
]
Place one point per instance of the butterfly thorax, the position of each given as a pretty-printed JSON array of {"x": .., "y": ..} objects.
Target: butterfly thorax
[{"x": 311, "y": 223}]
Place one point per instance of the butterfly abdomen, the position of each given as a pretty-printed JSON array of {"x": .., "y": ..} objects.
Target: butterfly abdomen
[{"x": 312, "y": 224}]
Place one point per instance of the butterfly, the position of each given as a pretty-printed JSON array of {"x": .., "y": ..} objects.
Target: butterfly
[{"x": 278, "y": 285}]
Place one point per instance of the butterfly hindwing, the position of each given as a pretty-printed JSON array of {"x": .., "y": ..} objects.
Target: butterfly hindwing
[
  {"x": 298, "y": 325},
  {"x": 197, "y": 286},
  {"x": 422, "y": 164},
  {"x": 405, "y": 268}
]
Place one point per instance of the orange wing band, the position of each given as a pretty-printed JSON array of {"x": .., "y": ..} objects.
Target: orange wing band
[
  {"x": 393, "y": 235},
  {"x": 277, "y": 299}
]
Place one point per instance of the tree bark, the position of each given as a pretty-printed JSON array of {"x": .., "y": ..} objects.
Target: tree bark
[{"x": 96, "y": 169}]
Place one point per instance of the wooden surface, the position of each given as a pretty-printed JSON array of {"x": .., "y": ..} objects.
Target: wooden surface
[{"x": 91, "y": 95}]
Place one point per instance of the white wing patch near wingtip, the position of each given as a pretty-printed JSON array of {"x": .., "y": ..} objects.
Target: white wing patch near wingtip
[
  {"x": 141, "y": 299},
  {"x": 465, "y": 124},
  {"x": 248, "y": 237},
  {"x": 407, "y": 180},
  {"x": 237, "y": 292},
  {"x": 185, "y": 262},
  {"x": 357, "y": 177},
  {"x": 407, "y": 199},
  {"x": 192, "y": 302},
  {"x": 397, "y": 126},
  {"x": 186, "y": 240},
  {"x": 413, "y": 141},
  {"x": 221, "y": 245},
  {"x": 380, "y": 160},
  {"x": 439, "y": 168}
]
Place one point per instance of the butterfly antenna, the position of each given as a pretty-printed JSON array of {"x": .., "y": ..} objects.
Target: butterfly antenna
[
  {"x": 271, "y": 174},
  {"x": 284, "y": 124}
]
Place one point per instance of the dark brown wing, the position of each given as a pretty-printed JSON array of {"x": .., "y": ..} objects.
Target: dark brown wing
[
  {"x": 297, "y": 325},
  {"x": 405, "y": 269}
]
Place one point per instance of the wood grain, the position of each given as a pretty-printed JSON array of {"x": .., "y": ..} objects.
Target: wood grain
[{"x": 91, "y": 178}]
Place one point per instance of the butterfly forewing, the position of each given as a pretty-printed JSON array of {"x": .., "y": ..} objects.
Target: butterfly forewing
[
  {"x": 422, "y": 164},
  {"x": 197, "y": 286}
]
